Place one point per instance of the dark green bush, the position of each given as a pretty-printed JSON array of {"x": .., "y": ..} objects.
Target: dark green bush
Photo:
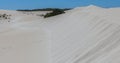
[
  {"x": 4, "y": 16},
  {"x": 54, "y": 13}
]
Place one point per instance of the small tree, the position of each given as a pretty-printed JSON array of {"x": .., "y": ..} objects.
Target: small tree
[{"x": 55, "y": 12}]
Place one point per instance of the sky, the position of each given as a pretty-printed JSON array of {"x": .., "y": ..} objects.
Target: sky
[{"x": 33, "y": 4}]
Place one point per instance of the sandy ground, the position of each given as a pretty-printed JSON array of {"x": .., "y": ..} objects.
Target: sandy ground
[
  {"x": 21, "y": 41},
  {"x": 82, "y": 35},
  {"x": 86, "y": 35}
]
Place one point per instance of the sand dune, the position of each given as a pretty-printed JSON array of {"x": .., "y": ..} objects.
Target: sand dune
[
  {"x": 88, "y": 34},
  {"x": 20, "y": 42}
]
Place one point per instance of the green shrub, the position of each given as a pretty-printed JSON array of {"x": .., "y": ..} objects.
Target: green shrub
[
  {"x": 54, "y": 13},
  {"x": 4, "y": 16}
]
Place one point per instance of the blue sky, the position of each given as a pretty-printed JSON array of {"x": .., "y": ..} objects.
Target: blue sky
[{"x": 32, "y": 4}]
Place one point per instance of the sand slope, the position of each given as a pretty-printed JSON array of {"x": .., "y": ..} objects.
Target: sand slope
[
  {"x": 86, "y": 35},
  {"x": 82, "y": 35},
  {"x": 20, "y": 41}
]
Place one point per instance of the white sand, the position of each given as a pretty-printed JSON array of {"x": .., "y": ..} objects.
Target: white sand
[
  {"x": 83, "y": 35},
  {"x": 86, "y": 35},
  {"x": 20, "y": 42}
]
